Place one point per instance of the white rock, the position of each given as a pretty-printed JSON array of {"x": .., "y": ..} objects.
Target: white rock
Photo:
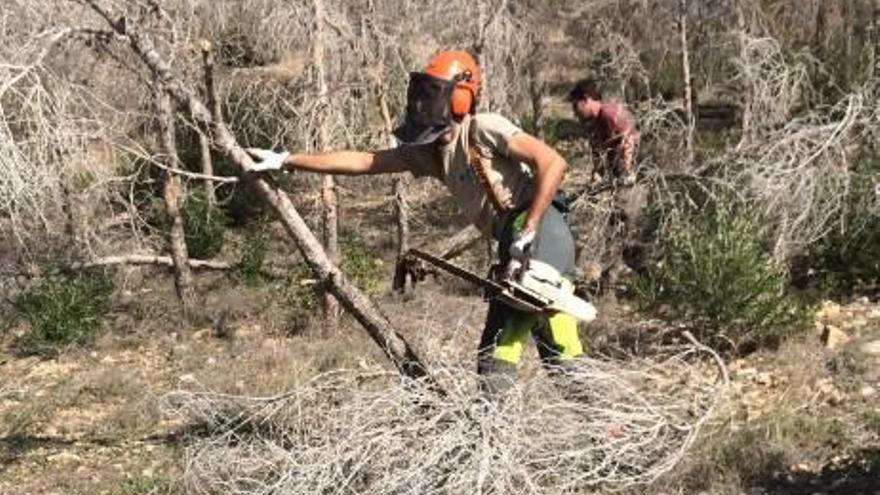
[
  {"x": 748, "y": 372},
  {"x": 867, "y": 392},
  {"x": 187, "y": 378},
  {"x": 826, "y": 387},
  {"x": 857, "y": 323},
  {"x": 64, "y": 458},
  {"x": 871, "y": 348},
  {"x": 830, "y": 310}
]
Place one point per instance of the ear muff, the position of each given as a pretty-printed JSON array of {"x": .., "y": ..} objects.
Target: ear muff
[
  {"x": 463, "y": 98},
  {"x": 462, "y": 101}
]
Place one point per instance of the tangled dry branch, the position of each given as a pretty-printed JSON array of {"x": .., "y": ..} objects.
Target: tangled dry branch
[
  {"x": 799, "y": 173},
  {"x": 610, "y": 423}
]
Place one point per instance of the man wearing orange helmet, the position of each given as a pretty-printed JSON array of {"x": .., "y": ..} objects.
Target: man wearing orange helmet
[{"x": 505, "y": 180}]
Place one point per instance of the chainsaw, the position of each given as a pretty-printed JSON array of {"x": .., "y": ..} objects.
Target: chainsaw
[{"x": 536, "y": 288}]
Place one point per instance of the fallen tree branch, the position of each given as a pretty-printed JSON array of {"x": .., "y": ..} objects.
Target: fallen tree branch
[
  {"x": 351, "y": 298},
  {"x": 196, "y": 175},
  {"x": 460, "y": 242},
  {"x": 150, "y": 259},
  {"x": 449, "y": 248},
  {"x": 123, "y": 259}
]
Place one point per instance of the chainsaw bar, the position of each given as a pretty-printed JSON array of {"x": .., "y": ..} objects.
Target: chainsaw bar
[{"x": 510, "y": 295}]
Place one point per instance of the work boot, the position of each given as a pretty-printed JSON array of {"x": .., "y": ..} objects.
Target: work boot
[{"x": 496, "y": 379}]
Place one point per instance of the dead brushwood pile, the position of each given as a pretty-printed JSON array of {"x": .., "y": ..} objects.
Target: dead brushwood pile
[{"x": 609, "y": 424}]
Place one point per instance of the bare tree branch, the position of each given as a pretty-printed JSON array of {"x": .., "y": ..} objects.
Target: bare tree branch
[{"x": 150, "y": 259}]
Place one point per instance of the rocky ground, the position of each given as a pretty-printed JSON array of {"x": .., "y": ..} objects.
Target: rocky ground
[{"x": 802, "y": 419}]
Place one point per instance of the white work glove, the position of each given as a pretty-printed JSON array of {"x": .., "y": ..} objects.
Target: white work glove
[
  {"x": 522, "y": 245},
  {"x": 513, "y": 270},
  {"x": 266, "y": 160}
]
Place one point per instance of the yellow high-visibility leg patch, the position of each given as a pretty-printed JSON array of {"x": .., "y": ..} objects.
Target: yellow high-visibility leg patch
[
  {"x": 509, "y": 346},
  {"x": 564, "y": 329}
]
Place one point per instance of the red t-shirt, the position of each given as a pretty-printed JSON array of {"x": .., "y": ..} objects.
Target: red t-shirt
[
  {"x": 611, "y": 125},
  {"x": 608, "y": 129}
]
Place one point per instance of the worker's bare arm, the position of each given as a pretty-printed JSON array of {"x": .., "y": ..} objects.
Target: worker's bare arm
[
  {"x": 549, "y": 169},
  {"x": 349, "y": 162},
  {"x": 627, "y": 152}
]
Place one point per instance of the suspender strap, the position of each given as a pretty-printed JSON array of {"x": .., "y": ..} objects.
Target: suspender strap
[{"x": 478, "y": 165}]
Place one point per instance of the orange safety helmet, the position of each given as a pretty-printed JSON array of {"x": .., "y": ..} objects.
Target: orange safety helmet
[
  {"x": 445, "y": 92},
  {"x": 458, "y": 66}
]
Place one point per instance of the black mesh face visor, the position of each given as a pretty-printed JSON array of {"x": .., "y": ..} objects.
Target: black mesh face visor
[{"x": 428, "y": 109}]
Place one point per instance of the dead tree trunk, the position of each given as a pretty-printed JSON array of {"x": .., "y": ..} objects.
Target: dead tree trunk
[
  {"x": 820, "y": 26},
  {"x": 171, "y": 191},
  {"x": 746, "y": 74},
  {"x": 536, "y": 89},
  {"x": 328, "y": 188},
  {"x": 849, "y": 20},
  {"x": 686, "y": 74},
  {"x": 875, "y": 39},
  {"x": 353, "y": 300},
  {"x": 207, "y": 166},
  {"x": 401, "y": 209},
  {"x": 214, "y": 106}
]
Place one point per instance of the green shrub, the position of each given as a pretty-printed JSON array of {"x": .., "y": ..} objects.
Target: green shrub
[
  {"x": 204, "y": 225},
  {"x": 849, "y": 257},
  {"x": 300, "y": 297},
  {"x": 253, "y": 254},
  {"x": 871, "y": 419},
  {"x": 359, "y": 265},
  {"x": 715, "y": 272},
  {"x": 760, "y": 449},
  {"x": 64, "y": 309},
  {"x": 144, "y": 486}
]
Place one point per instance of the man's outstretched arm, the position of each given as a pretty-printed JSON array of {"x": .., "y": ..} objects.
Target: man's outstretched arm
[
  {"x": 336, "y": 162},
  {"x": 349, "y": 162}
]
